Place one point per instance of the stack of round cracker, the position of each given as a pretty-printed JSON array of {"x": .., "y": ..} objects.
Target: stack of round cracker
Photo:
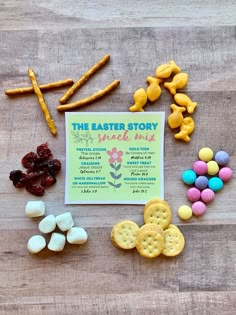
[{"x": 157, "y": 236}]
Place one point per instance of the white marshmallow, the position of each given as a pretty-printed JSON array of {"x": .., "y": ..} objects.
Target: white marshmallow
[
  {"x": 57, "y": 242},
  {"x": 64, "y": 221},
  {"x": 35, "y": 208},
  {"x": 48, "y": 224},
  {"x": 36, "y": 243},
  {"x": 76, "y": 235}
]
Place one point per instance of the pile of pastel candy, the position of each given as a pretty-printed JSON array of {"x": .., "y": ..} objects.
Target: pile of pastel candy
[{"x": 207, "y": 176}]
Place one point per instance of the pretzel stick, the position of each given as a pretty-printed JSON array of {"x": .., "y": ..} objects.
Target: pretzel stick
[
  {"x": 84, "y": 78},
  {"x": 43, "y": 87},
  {"x": 90, "y": 99},
  {"x": 43, "y": 105}
]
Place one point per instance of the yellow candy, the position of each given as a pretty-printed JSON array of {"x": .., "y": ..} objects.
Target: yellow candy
[
  {"x": 205, "y": 154},
  {"x": 186, "y": 129},
  {"x": 154, "y": 90},
  {"x": 165, "y": 70},
  {"x": 212, "y": 168},
  {"x": 140, "y": 99},
  {"x": 176, "y": 118},
  {"x": 185, "y": 212},
  {"x": 183, "y": 100},
  {"x": 179, "y": 81}
]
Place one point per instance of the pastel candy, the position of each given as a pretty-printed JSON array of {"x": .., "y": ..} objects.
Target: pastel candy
[
  {"x": 212, "y": 168},
  {"x": 200, "y": 167},
  {"x": 207, "y": 195},
  {"x": 205, "y": 154},
  {"x": 193, "y": 194},
  {"x": 201, "y": 182},
  {"x": 215, "y": 183},
  {"x": 185, "y": 212},
  {"x": 198, "y": 208},
  {"x": 225, "y": 174},
  {"x": 222, "y": 157},
  {"x": 189, "y": 177}
]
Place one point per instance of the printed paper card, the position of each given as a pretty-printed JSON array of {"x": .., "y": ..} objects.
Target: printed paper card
[{"x": 114, "y": 158}]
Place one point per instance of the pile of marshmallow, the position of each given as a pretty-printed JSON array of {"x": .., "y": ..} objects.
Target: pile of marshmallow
[{"x": 64, "y": 222}]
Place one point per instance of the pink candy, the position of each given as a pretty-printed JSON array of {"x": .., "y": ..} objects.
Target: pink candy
[
  {"x": 193, "y": 194},
  {"x": 225, "y": 174},
  {"x": 200, "y": 167},
  {"x": 207, "y": 195},
  {"x": 198, "y": 208}
]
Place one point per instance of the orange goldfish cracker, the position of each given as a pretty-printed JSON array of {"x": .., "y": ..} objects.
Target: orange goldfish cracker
[
  {"x": 149, "y": 244},
  {"x": 84, "y": 78},
  {"x": 165, "y": 70},
  {"x": 153, "y": 90},
  {"x": 186, "y": 128},
  {"x": 140, "y": 99},
  {"x": 124, "y": 234},
  {"x": 183, "y": 100},
  {"x": 42, "y": 103},
  {"x": 174, "y": 242},
  {"x": 43, "y": 87},
  {"x": 179, "y": 81},
  {"x": 176, "y": 118},
  {"x": 88, "y": 100}
]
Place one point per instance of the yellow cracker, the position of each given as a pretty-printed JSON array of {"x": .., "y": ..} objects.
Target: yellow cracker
[
  {"x": 124, "y": 234},
  {"x": 158, "y": 213},
  {"x": 173, "y": 242},
  {"x": 173, "y": 226},
  {"x": 150, "y": 244},
  {"x": 155, "y": 200},
  {"x": 151, "y": 227}
]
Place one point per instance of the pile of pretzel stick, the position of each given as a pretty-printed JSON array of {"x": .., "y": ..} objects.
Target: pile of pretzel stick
[{"x": 74, "y": 86}]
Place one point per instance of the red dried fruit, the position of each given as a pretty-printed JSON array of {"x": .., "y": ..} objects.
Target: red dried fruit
[
  {"x": 18, "y": 178},
  {"x": 28, "y": 161},
  {"x": 34, "y": 174},
  {"x": 54, "y": 166},
  {"x": 35, "y": 189},
  {"x": 48, "y": 180},
  {"x": 44, "y": 152}
]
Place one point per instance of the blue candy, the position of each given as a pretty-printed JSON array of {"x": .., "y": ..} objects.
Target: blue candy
[
  {"x": 215, "y": 183},
  {"x": 201, "y": 182},
  {"x": 222, "y": 157},
  {"x": 189, "y": 177}
]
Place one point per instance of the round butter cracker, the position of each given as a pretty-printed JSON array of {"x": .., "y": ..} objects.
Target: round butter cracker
[
  {"x": 124, "y": 234},
  {"x": 150, "y": 244},
  {"x": 158, "y": 213},
  {"x": 174, "y": 242}
]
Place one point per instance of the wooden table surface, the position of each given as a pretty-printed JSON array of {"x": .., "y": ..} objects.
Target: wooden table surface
[{"x": 61, "y": 39}]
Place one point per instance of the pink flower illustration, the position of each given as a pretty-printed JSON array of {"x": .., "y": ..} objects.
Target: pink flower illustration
[{"x": 115, "y": 155}]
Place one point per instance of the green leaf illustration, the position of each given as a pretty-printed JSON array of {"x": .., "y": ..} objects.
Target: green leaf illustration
[
  {"x": 114, "y": 185},
  {"x": 113, "y": 175},
  {"x": 118, "y": 167}
]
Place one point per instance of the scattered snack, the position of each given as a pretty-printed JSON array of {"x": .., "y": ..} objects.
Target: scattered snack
[
  {"x": 183, "y": 100},
  {"x": 140, "y": 99},
  {"x": 184, "y": 212},
  {"x": 174, "y": 242},
  {"x": 90, "y": 99},
  {"x": 48, "y": 224},
  {"x": 84, "y": 78},
  {"x": 124, "y": 234},
  {"x": 36, "y": 243},
  {"x": 43, "y": 87},
  {"x": 159, "y": 213},
  {"x": 179, "y": 81},
  {"x": 76, "y": 235},
  {"x": 149, "y": 243},
  {"x": 35, "y": 209},
  {"x": 203, "y": 176},
  {"x": 186, "y": 128},
  {"x": 57, "y": 242},
  {"x": 64, "y": 221},
  {"x": 176, "y": 118},
  {"x": 153, "y": 90},
  {"x": 164, "y": 71},
  {"x": 43, "y": 105},
  {"x": 41, "y": 173},
  {"x": 151, "y": 227}
]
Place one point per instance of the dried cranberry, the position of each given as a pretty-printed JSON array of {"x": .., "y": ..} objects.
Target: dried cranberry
[
  {"x": 54, "y": 166},
  {"x": 28, "y": 161},
  {"x": 18, "y": 178},
  {"x": 48, "y": 180},
  {"x": 36, "y": 190},
  {"x": 44, "y": 152},
  {"x": 34, "y": 174}
]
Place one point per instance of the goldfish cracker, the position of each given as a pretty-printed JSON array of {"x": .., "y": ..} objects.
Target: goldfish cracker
[
  {"x": 186, "y": 128},
  {"x": 179, "y": 81},
  {"x": 140, "y": 99},
  {"x": 165, "y": 70},
  {"x": 183, "y": 100},
  {"x": 154, "y": 90},
  {"x": 176, "y": 118}
]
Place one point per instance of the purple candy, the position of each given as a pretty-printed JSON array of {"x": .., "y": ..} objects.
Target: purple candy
[
  {"x": 201, "y": 182},
  {"x": 200, "y": 167},
  {"x": 222, "y": 157}
]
